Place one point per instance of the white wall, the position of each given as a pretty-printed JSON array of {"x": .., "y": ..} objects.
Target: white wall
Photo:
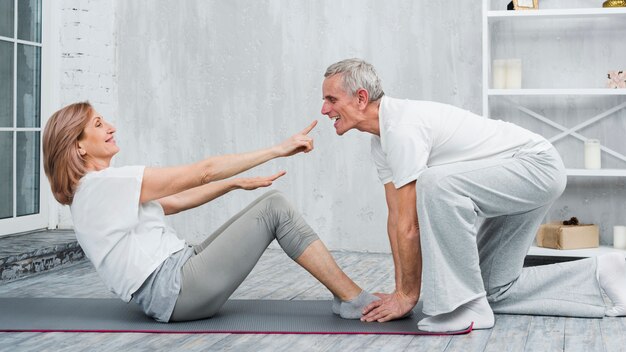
[
  {"x": 86, "y": 52},
  {"x": 184, "y": 80}
]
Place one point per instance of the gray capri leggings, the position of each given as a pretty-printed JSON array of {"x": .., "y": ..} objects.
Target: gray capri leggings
[{"x": 226, "y": 257}]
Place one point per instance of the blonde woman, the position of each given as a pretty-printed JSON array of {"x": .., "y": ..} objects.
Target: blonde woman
[{"x": 119, "y": 212}]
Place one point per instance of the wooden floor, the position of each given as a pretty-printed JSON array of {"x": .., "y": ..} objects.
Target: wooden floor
[{"x": 277, "y": 277}]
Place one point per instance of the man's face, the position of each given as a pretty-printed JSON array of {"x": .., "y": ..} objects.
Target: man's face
[{"x": 339, "y": 105}]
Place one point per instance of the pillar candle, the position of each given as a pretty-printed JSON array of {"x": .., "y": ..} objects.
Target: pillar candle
[
  {"x": 498, "y": 74},
  {"x": 592, "y": 154},
  {"x": 619, "y": 237},
  {"x": 514, "y": 74}
]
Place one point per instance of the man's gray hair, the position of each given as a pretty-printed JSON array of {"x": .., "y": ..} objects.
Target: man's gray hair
[{"x": 357, "y": 74}]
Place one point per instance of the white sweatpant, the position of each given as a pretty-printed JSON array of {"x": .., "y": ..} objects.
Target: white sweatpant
[{"x": 463, "y": 261}]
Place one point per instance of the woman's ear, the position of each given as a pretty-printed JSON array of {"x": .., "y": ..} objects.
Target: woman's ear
[{"x": 80, "y": 149}]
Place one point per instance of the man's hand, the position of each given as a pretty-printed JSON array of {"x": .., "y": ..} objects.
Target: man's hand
[
  {"x": 389, "y": 307},
  {"x": 251, "y": 183}
]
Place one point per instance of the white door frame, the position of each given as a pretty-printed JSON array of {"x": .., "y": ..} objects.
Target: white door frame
[{"x": 48, "y": 207}]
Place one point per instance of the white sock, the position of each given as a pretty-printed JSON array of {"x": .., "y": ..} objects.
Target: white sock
[
  {"x": 476, "y": 311},
  {"x": 611, "y": 274},
  {"x": 336, "y": 305}
]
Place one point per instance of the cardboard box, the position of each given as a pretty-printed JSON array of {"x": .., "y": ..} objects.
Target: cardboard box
[{"x": 558, "y": 236}]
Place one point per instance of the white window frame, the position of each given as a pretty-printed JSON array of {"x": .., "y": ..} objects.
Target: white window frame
[{"x": 48, "y": 208}]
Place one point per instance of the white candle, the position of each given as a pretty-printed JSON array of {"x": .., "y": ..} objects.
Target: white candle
[
  {"x": 525, "y": 3},
  {"x": 619, "y": 237},
  {"x": 514, "y": 74},
  {"x": 498, "y": 74},
  {"x": 592, "y": 154}
]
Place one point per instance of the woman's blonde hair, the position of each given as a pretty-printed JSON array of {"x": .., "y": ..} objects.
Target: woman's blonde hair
[{"x": 62, "y": 162}]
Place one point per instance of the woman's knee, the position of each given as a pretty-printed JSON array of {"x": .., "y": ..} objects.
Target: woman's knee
[
  {"x": 277, "y": 201},
  {"x": 267, "y": 195}
]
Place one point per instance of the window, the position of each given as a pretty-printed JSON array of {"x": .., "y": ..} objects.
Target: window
[{"x": 21, "y": 174}]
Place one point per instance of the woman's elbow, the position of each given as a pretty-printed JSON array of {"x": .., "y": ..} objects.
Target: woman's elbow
[{"x": 169, "y": 206}]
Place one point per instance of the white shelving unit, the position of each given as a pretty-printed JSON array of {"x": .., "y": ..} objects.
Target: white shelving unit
[
  {"x": 585, "y": 252},
  {"x": 492, "y": 17},
  {"x": 617, "y": 11},
  {"x": 597, "y": 173},
  {"x": 593, "y": 91}
]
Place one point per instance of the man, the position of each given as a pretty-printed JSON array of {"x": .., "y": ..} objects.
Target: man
[{"x": 443, "y": 169}]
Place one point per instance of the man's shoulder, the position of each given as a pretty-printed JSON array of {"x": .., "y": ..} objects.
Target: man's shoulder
[
  {"x": 387, "y": 100},
  {"x": 399, "y": 110}
]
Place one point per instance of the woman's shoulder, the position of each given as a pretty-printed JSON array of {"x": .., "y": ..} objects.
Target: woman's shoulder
[
  {"x": 112, "y": 171},
  {"x": 109, "y": 176},
  {"x": 111, "y": 181}
]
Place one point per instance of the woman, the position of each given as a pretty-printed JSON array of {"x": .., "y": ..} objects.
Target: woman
[{"x": 119, "y": 212}]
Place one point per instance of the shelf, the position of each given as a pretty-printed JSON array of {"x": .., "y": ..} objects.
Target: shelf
[
  {"x": 557, "y": 91},
  {"x": 587, "y": 252},
  {"x": 589, "y": 12},
  {"x": 597, "y": 173}
]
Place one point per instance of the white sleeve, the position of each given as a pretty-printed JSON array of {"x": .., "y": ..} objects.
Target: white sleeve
[
  {"x": 384, "y": 172},
  {"x": 408, "y": 149},
  {"x": 113, "y": 198}
]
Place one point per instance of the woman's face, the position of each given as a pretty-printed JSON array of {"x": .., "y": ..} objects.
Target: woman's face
[{"x": 97, "y": 144}]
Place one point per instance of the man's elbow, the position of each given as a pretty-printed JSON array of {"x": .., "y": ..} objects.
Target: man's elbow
[{"x": 409, "y": 232}]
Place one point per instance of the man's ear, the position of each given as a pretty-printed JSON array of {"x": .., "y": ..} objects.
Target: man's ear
[{"x": 364, "y": 97}]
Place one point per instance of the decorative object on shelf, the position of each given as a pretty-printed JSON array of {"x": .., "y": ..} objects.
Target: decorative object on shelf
[
  {"x": 525, "y": 4},
  {"x": 514, "y": 74},
  {"x": 510, "y": 6},
  {"x": 592, "y": 154},
  {"x": 558, "y": 236},
  {"x": 506, "y": 74},
  {"x": 616, "y": 79},
  {"x": 619, "y": 237},
  {"x": 614, "y": 3},
  {"x": 572, "y": 221},
  {"x": 498, "y": 74}
]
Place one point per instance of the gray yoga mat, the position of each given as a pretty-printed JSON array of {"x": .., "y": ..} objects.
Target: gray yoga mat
[{"x": 236, "y": 316}]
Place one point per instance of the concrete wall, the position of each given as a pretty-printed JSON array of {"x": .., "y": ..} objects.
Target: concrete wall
[
  {"x": 204, "y": 78},
  {"x": 185, "y": 80}
]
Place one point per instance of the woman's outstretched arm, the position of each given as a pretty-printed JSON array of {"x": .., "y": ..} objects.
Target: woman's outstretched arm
[
  {"x": 197, "y": 196},
  {"x": 163, "y": 182}
]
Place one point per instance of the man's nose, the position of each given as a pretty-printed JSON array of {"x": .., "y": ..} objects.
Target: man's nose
[{"x": 325, "y": 109}]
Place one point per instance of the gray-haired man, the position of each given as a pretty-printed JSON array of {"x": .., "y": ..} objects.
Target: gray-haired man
[{"x": 444, "y": 168}]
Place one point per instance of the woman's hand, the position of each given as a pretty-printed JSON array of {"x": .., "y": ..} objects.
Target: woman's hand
[
  {"x": 250, "y": 183},
  {"x": 159, "y": 183},
  {"x": 299, "y": 142}
]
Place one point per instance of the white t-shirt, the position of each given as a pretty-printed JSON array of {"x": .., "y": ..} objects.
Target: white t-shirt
[
  {"x": 415, "y": 135},
  {"x": 125, "y": 240}
]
